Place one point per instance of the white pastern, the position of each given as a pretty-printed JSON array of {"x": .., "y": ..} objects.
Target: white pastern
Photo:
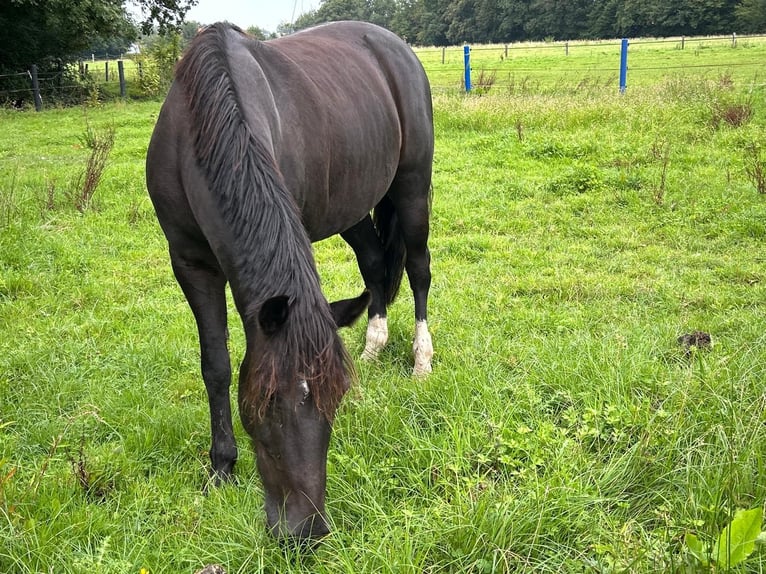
[
  {"x": 377, "y": 337},
  {"x": 423, "y": 349}
]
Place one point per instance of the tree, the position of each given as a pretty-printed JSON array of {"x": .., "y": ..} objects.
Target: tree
[
  {"x": 462, "y": 22},
  {"x": 166, "y": 15},
  {"x": 750, "y": 16},
  {"x": 558, "y": 19},
  {"x": 260, "y": 33},
  {"x": 433, "y": 23},
  {"x": 333, "y": 10},
  {"x": 35, "y": 32}
]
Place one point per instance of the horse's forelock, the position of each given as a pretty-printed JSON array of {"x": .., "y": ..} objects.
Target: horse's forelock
[{"x": 328, "y": 374}]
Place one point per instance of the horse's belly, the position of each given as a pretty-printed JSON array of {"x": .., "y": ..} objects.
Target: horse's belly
[{"x": 345, "y": 192}]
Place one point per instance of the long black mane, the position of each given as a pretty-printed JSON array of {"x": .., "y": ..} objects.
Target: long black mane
[{"x": 272, "y": 254}]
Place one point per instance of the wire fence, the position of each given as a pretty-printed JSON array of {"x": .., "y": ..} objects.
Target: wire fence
[
  {"x": 529, "y": 67},
  {"x": 595, "y": 65},
  {"x": 94, "y": 80}
]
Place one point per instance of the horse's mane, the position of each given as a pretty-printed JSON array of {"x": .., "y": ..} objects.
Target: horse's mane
[{"x": 272, "y": 252}]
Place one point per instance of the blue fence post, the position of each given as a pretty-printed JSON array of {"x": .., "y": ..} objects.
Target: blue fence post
[
  {"x": 624, "y": 65},
  {"x": 467, "y": 64}
]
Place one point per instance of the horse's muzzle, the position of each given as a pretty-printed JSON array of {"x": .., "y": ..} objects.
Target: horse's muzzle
[{"x": 305, "y": 535}]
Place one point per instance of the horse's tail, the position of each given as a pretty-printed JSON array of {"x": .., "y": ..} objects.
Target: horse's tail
[{"x": 394, "y": 250}]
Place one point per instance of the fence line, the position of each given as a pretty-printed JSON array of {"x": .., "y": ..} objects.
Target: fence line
[
  {"x": 559, "y": 45},
  {"x": 20, "y": 86},
  {"x": 623, "y": 59}
]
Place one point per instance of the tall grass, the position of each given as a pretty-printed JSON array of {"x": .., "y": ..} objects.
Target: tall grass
[{"x": 563, "y": 429}]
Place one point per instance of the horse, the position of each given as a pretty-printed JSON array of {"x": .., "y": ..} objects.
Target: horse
[{"x": 260, "y": 149}]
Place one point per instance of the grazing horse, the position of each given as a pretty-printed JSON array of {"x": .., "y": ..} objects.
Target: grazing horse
[{"x": 261, "y": 148}]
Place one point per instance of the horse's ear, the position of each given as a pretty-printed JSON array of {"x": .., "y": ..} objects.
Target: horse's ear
[
  {"x": 273, "y": 314},
  {"x": 347, "y": 311}
]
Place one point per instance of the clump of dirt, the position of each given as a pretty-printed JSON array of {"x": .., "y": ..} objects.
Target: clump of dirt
[{"x": 698, "y": 340}]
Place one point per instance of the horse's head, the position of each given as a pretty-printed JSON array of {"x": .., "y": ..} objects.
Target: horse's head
[{"x": 289, "y": 414}]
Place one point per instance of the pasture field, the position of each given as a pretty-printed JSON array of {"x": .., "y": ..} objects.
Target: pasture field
[
  {"x": 585, "y": 66},
  {"x": 531, "y": 68},
  {"x": 575, "y": 237}
]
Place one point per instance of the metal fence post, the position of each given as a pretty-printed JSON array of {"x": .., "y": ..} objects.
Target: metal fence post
[
  {"x": 467, "y": 65},
  {"x": 624, "y": 65}
]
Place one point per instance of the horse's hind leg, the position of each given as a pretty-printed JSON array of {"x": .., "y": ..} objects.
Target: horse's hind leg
[
  {"x": 204, "y": 285},
  {"x": 410, "y": 194},
  {"x": 369, "y": 256}
]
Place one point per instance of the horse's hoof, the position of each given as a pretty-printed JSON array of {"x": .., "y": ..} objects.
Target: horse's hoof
[
  {"x": 376, "y": 338},
  {"x": 369, "y": 354},
  {"x": 212, "y": 569},
  {"x": 422, "y": 349},
  {"x": 422, "y": 369}
]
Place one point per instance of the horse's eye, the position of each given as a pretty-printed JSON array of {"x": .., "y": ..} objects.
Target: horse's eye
[{"x": 304, "y": 389}]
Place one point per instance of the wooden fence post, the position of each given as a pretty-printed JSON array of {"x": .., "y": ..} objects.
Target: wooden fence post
[
  {"x": 106, "y": 70},
  {"x": 734, "y": 40},
  {"x": 35, "y": 88},
  {"x": 443, "y": 50},
  {"x": 121, "y": 73}
]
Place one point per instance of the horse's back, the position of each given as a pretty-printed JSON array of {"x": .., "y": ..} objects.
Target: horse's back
[
  {"x": 357, "y": 100},
  {"x": 342, "y": 107},
  {"x": 358, "y": 59}
]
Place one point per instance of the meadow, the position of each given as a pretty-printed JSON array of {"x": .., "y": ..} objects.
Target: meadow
[
  {"x": 576, "y": 235},
  {"x": 550, "y": 67}
]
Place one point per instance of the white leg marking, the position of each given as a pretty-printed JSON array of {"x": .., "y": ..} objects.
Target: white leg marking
[
  {"x": 377, "y": 337},
  {"x": 423, "y": 349}
]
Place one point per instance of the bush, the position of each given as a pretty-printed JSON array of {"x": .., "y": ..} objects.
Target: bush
[{"x": 156, "y": 64}]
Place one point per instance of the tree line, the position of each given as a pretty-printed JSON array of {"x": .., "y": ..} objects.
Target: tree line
[
  {"x": 34, "y": 32},
  {"x": 52, "y": 33},
  {"x": 451, "y": 22}
]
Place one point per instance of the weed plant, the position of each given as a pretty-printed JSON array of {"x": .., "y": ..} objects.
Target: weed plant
[{"x": 563, "y": 428}]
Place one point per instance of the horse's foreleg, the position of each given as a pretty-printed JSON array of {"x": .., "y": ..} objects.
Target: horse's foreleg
[
  {"x": 204, "y": 286},
  {"x": 369, "y": 256}
]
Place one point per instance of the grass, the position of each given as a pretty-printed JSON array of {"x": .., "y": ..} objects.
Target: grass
[
  {"x": 593, "y": 66},
  {"x": 575, "y": 236}
]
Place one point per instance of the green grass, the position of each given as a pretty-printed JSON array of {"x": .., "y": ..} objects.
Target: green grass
[
  {"x": 593, "y": 66},
  {"x": 575, "y": 236}
]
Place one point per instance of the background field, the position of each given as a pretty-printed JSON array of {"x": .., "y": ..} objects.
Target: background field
[
  {"x": 593, "y": 66},
  {"x": 576, "y": 234}
]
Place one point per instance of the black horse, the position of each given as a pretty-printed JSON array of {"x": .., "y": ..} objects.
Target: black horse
[{"x": 260, "y": 149}]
